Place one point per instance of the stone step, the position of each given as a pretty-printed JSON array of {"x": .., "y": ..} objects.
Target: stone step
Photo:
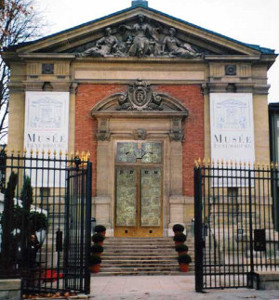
[
  {"x": 140, "y": 268},
  {"x": 141, "y": 256},
  {"x": 139, "y": 262},
  {"x": 144, "y": 273},
  {"x": 137, "y": 257}
]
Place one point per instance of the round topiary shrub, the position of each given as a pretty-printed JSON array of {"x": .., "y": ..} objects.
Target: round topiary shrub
[
  {"x": 98, "y": 238},
  {"x": 94, "y": 260},
  {"x": 179, "y": 237},
  {"x": 178, "y": 228},
  {"x": 96, "y": 248},
  {"x": 184, "y": 259},
  {"x": 181, "y": 248},
  {"x": 100, "y": 228}
]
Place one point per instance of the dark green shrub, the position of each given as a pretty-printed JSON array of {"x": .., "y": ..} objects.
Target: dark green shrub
[
  {"x": 38, "y": 221},
  {"x": 94, "y": 260},
  {"x": 178, "y": 228},
  {"x": 7, "y": 222},
  {"x": 181, "y": 248},
  {"x": 184, "y": 259},
  {"x": 180, "y": 237},
  {"x": 97, "y": 238},
  {"x": 100, "y": 228},
  {"x": 96, "y": 249}
]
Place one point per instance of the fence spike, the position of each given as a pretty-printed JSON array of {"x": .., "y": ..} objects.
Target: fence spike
[
  {"x": 77, "y": 153},
  {"x": 276, "y": 165},
  {"x": 54, "y": 152},
  {"x": 222, "y": 161},
  {"x": 196, "y": 163},
  {"x": 18, "y": 152},
  {"x": 43, "y": 152},
  {"x": 60, "y": 153},
  {"x": 267, "y": 166},
  {"x": 37, "y": 151},
  {"x": 208, "y": 161},
  {"x": 48, "y": 152},
  {"x": 31, "y": 151},
  {"x": 272, "y": 165},
  {"x": 218, "y": 162},
  {"x": 88, "y": 155}
]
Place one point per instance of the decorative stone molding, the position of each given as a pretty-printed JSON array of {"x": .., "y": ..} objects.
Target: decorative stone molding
[
  {"x": 177, "y": 131},
  {"x": 148, "y": 103},
  {"x": 140, "y": 134},
  {"x": 74, "y": 88},
  {"x": 139, "y": 97},
  {"x": 103, "y": 133}
]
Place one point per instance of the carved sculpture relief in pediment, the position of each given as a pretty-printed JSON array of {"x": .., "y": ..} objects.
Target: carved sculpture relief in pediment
[{"x": 140, "y": 38}]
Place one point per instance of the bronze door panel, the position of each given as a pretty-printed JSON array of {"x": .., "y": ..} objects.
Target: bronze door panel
[{"x": 126, "y": 197}]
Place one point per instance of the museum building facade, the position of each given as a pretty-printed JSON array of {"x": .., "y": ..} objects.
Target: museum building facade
[{"x": 146, "y": 94}]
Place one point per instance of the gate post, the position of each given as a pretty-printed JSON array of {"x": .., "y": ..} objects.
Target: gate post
[
  {"x": 88, "y": 225},
  {"x": 250, "y": 278},
  {"x": 199, "y": 244}
]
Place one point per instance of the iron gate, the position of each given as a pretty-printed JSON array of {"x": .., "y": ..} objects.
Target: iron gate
[
  {"x": 45, "y": 225},
  {"x": 236, "y": 216}
]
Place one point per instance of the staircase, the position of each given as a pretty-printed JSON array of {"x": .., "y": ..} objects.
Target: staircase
[{"x": 141, "y": 256}]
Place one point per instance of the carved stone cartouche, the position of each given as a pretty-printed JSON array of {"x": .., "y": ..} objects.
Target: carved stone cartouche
[{"x": 139, "y": 97}]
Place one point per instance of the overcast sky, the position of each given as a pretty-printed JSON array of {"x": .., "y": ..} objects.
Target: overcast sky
[{"x": 249, "y": 21}]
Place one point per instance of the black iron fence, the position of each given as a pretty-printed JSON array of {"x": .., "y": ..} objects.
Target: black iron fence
[
  {"x": 236, "y": 224},
  {"x": 45, "y": 206}
]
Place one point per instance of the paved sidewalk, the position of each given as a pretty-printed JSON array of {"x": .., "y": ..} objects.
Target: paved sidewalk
[{"x": 165, "y": 288}]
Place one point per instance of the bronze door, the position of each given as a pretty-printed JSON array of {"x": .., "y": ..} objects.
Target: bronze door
[{"x": 138, "y": 192}]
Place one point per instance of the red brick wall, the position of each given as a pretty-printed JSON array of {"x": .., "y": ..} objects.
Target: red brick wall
[
  {"x": 89, "y": 94},
  {"x": 85, "y": 127},
  {"x": 193, "y": 146}
]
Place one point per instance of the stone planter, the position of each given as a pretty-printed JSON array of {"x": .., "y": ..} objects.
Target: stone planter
[
  {"x": 95, "y": 268},
  {"x": 183, "y": 267}
]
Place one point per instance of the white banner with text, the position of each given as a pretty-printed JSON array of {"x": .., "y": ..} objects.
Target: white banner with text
[
  {"x": 232, "y": 128},
  {"x": 46, "y": 126}
]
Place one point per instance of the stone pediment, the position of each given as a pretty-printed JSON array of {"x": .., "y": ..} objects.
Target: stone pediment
[
  {"x": 140, "y": 37},
  {"x": 139, "y": 32},
  {"x": 139, "y": 100}
]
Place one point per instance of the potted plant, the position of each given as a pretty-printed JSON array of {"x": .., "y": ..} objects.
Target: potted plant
[
  {"x": 94, "y": 263},
  {"x": 181, "y": 249},
  {"x": 96, "y": 249},
  {"x": 100, "y": 229},
  {"x": 98, "y": 238},
  {"x": 177, "y": 228},
  {"x": 184, "y": 261},
  {"x": 179, "y": 238}
]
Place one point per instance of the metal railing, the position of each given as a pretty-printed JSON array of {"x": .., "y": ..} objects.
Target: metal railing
[
  {"x": 45, "y": 221},
  {"x": 238, "y": 206}
]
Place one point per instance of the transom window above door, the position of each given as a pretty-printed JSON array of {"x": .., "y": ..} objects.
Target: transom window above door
[{"x": 144, "y": 152}]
